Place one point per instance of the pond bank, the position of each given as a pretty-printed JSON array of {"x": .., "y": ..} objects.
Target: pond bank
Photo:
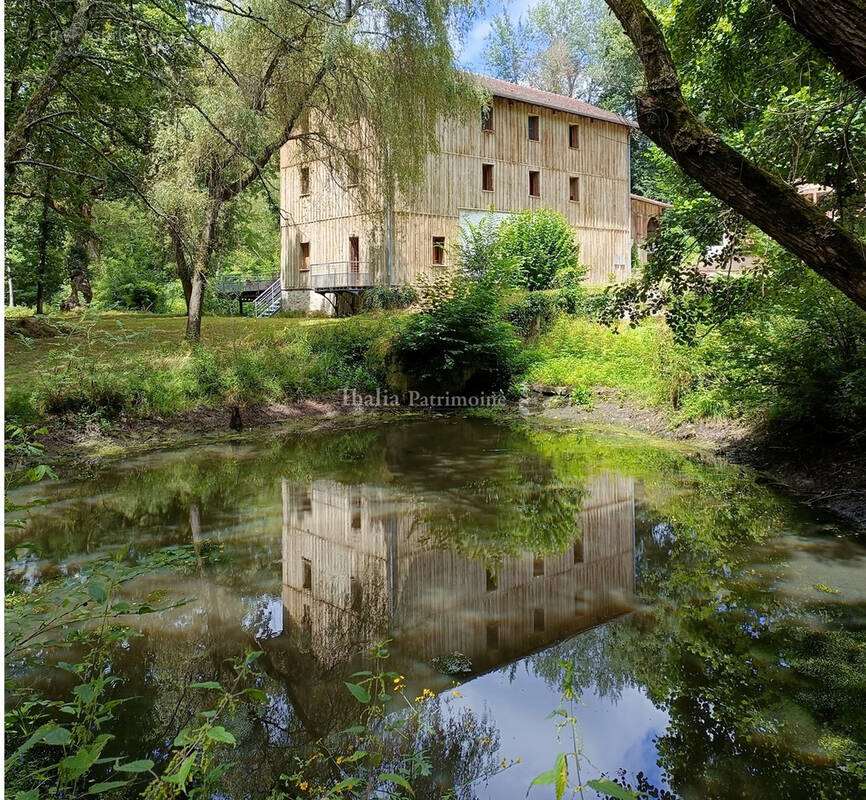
[{"x": 829, "y": 471}]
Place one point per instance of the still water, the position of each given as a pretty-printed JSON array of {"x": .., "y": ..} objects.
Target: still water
[{"x": 714, "y": 627}]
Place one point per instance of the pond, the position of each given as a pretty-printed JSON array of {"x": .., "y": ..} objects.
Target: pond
[{"x": 712, "y": 627}]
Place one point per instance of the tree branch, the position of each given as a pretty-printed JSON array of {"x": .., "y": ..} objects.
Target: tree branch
[{"x": 761, "y": 197}]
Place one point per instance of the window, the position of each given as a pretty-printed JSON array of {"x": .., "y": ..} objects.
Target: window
[
  {"x": 439, "y": 250},
  {"x": 574, "y": 190},
  {"x": 354, "y": 254},
  {"x": 487, "y": 119},
  {"x": 534, "y": 184},
  {"x": 492, "y": 635},
  {"x": 487, "y": 177},
  {"x": 574, "y": 136},
  {"x": 308, "y": 573},
  {"x": 357, "y": 594},
  {"x": 538, "y": 620},
  {"x": 492, "y": 580},
  {"x": 533, "y": 128},
  {"x": 538, "y": 567},
  {"x": 578, "y": 550},
  {"x": 305, "y": 181},
  {"x": 305, "y": 256},
  {"x": 352, "y": 171}
]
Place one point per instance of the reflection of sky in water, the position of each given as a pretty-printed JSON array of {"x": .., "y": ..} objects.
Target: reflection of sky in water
[{"x": 616, "y": 733}]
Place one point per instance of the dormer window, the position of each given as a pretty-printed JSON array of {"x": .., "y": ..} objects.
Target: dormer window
[{"x": 533, "y": 128}]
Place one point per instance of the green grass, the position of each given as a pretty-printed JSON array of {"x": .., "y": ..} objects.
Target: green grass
[
  {"x": 138, "y": 364},
  {"x": 642, "y": 363}
]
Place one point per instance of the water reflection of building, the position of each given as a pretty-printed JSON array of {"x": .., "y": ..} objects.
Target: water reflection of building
[{"x": 356, "y": 567}]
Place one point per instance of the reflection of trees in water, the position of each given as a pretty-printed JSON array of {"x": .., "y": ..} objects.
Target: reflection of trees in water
[{"x": 760, "y": 704}]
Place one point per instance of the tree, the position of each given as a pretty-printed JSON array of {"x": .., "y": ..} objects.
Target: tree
[
  {"x": 333, "y": 78},
  {"x": 825, "y": 245}
]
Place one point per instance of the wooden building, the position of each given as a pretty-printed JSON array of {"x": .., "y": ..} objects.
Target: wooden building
[
  {"x": 529, "y": 150},
  {"x": 646, "y": 215},
  {"x": 357, "y": 568}
]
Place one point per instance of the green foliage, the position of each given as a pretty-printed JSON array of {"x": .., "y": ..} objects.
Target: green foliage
[
  {"x": 532, "y": 313},
  {"x": 389, "y": 298},
  {"x": 542, "y": 247},
  {"x": 461, "y": 342}
]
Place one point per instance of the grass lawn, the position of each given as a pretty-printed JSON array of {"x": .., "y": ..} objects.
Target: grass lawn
[{"x": 113, "y": 339}]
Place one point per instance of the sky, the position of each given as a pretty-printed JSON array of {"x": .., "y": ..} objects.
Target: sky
[{"x": 470, "y": 53}]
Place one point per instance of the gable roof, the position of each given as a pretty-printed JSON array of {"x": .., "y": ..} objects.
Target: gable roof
[{"x": 558, "y": 102}]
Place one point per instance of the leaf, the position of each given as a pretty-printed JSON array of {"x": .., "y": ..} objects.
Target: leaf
[
  {"x": 96, "y": 591},
  {"x": 207, "y": 685},
  {"x": 181, "y": 775},
  {"x": 561, "y": 769},
  {"x": 398, "y": 779},
  {"x": 544, "y": 778},
  {"x": 219, "y": 734},
  {"x": 604, "y": 786},
  {"x": 359, "y": 692},
  {"x": 356, "y": 756},
  {"x": 99, "y": 788},
  {"x": 136, "y": 766},
  {"x": 346, "y": 783},
  {"x": 57, "y": 735}
]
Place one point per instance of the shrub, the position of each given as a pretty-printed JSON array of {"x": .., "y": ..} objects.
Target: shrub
[
  {"x": 532, "y": 313},
  {"x": 461, "y": 342},
  {"x": 389, "y": 298},
  {"x": 542, "y": 246},
  {"x": 125, "y": 285}
]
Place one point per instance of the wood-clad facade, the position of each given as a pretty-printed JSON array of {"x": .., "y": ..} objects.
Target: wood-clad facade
[{"x": 541, "y": 151}]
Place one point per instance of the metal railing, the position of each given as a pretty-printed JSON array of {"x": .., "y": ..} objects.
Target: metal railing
[
  {"x": 240, "y": 284},
  {"x": 340, "y": 275},
  {"x": 269, "y": 301}
]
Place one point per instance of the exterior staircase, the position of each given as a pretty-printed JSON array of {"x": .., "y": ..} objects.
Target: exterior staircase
[{"x": 268, "y": 302}]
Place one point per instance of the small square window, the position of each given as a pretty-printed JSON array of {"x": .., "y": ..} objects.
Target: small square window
[
  {"x": 305, "y": 256},
  {"x": 438, "y": 250},
  {"x": 534, "y": 184},
  {"x": 574, "y": 190},
  {"x": 533, "y": 128},
  {"x": 305, "y": 181},
  {"x": 487, "y": 119},
  {"x": 308, "y": 573},
  {"x": 487, "y": 177},
  {"x": 574, "y": 136}
]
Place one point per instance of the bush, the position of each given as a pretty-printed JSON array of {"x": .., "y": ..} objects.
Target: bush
[
  {"x": 462, "y": 342},
  {"x": 532, "y": 313},
  {"x": 388, "y": 298},
  {"x": 542, "y": 247},
  {"x": 128, "y": 286}
]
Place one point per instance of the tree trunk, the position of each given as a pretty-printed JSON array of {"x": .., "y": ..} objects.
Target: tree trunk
[
  {"x": 42, "y": 268},
  {"x": 207, "y": 243},
  {"x": 835, "y": 27},
  {"x": 762, "y": 198},
  {"x": 181, "y": 264}
]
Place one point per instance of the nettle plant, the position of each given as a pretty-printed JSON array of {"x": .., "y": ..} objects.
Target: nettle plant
[{"x": 60, "y": 747}]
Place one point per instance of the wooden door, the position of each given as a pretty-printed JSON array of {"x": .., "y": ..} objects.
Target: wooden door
[{"x": 354, "y": 254}]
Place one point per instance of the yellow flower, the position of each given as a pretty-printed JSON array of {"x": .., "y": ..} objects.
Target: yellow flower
[
  {"x": 457, "y": 694},
  {"x": 303, "y": 785},
  {"x": 339, "y": 759}
]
